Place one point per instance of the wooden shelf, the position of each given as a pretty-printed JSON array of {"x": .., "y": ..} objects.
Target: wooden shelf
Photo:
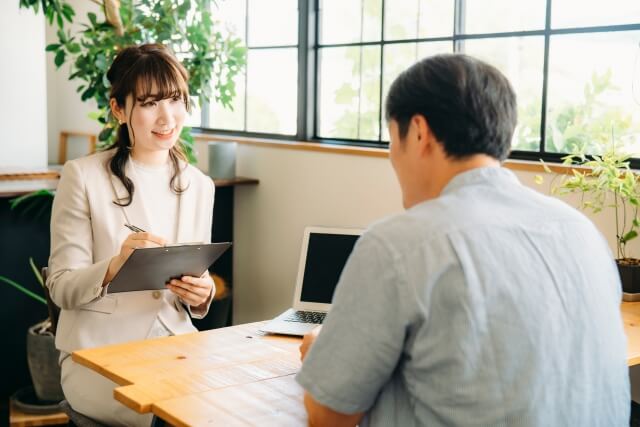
[
  {"x": 21, "y": 419},
  {"x": 239, "y": 180},
  {"x": 20, "y": 184},
  {"x": 20, "y": 174},
  {"x": 25, "y": 186}
]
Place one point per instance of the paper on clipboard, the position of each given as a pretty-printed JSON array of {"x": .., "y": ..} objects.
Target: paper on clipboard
[{"x": 151, "y": 268}]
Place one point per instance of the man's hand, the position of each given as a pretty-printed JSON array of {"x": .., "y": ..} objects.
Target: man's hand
[{"x": 308, "y": 340}]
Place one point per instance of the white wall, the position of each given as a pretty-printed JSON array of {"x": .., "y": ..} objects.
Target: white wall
[
  {"x": 23, "y": 116},
  {"x": 297, "y": 188},
  {"x": 300, "y": 188},
  {"x": 65, "y": 110}
]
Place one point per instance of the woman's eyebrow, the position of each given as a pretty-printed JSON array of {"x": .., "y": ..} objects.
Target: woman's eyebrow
[{"x": 149, "y": 96}]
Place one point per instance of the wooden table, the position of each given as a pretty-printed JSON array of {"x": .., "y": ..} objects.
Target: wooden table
[
  {"x": 631, "y": 318},
  {"x": 232, "y": 376}
]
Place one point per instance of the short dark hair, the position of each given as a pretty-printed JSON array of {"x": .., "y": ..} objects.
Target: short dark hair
[{"x": 470, "y": 105}]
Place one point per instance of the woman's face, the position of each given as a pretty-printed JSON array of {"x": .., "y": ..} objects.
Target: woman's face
[{"x": 154, "y": 125}]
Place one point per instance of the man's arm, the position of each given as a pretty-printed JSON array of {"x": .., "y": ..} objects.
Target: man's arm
[
  {"x": 361, "y": 341},
  {"x": 320, "y": 415}
]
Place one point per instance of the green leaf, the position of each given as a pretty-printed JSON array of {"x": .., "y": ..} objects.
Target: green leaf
[
  {"x": 23, "y": 289},
  {"x": 105, "y": 133},
  {"x": 629, "y": 236},
  {"x": 73, "y": 48},
  {"x": 92, "y": 18},
  {"x": 53, "y": 46},
  {"x": 59, "y": 58},
  {"x": 36, "y": 271},
  {"x": 61, "y": 36}
]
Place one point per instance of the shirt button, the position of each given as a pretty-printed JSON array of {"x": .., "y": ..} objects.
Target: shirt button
[{"x": 156, "y": 294}]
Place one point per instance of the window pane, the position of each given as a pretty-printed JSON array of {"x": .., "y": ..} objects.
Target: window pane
[
  {"x": 584, "y": 13},
  {"x": 521, "y": 60},
  {"x": 412, "y": 19},
  {"x": 194, "y": 118},
  {"x": 349, "y": 90},
  {"x": 272, "y": 88},
  {"x": 399, "y": 57},
  {"x": 349, "y": 21},
  {"x": 482, "y": 16},
  {"x": 232, "y": 14},
  {"x": 591, "y": 91},
  {"x": 225, "y": 118},
  {"x": 273, "y": 22}
]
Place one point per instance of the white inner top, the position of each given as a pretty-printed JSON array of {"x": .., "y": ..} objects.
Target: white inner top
[{"x": 159, "y": 201}]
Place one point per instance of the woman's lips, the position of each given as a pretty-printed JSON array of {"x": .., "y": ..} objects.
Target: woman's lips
[{"x": 165, "y": 134}]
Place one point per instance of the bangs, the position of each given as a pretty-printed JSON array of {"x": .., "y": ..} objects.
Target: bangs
[{"x": 158, "y": 79}]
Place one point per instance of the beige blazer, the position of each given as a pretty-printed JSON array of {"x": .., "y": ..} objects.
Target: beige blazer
[{"x": 87, "y": 229}]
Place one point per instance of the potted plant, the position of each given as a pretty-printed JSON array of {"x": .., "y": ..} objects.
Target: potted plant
[
  {"x": 606, "y": 181},
  {"x": 42, "y": 355},
  {"x": 212, "y": 55}
]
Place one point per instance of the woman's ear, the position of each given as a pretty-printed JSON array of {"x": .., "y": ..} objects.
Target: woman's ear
[{"x": 117, "y": 112}]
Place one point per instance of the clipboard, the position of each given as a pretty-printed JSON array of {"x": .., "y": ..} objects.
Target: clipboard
[{"x": 151, "y": 268}]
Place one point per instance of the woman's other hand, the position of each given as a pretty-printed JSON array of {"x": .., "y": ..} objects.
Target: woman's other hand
[
  {"x": 194, "y": 291},
  {"x": 132, "y": 242}
]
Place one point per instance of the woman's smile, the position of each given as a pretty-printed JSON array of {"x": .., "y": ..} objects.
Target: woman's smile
[{"x": 164, "y": 134}]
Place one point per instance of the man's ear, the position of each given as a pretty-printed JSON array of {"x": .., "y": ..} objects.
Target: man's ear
[{"x": 424, "y": 135}]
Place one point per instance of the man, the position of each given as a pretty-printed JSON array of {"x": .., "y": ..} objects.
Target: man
[{"x": 485, "y": 303}]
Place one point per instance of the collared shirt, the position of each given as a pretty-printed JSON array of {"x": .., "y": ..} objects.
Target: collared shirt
[{"x": 492, "y": 305}]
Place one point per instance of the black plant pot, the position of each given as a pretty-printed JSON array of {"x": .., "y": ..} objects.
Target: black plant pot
[
  {"x": 630, "y": 277},
  {"x": 42, "y": 357}
]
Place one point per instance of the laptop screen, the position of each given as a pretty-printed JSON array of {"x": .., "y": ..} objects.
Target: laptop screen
[{"x": 327, "y": 255}]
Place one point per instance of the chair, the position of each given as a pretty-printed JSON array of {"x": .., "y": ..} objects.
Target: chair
[
  {"x": 64, "y": 137},
  {"x": 75, "y": 418}
]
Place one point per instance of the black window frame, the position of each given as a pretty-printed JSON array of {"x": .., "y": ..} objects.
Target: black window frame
[{"x": 308, "y": 75}]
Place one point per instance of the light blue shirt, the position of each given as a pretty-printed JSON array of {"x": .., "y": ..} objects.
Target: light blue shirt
[{"x": 492, "y": 305}]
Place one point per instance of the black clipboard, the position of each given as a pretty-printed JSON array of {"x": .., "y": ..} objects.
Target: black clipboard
[{"x": 151, "y": 268}]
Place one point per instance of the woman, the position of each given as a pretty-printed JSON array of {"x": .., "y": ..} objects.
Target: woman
[{"x": 142, "y": 180}]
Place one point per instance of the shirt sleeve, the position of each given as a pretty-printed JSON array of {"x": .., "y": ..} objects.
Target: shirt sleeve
[{"x": 363, "y": 335}]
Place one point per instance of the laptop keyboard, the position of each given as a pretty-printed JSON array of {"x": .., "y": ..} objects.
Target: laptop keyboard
[{"x": 306, "y": 317}]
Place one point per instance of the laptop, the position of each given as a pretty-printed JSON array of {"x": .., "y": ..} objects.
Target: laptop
[{"x": 323, "y": 256}]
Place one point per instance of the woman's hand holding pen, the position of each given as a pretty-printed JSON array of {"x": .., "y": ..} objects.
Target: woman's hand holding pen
[
  {"x": 133, "y": 241},
  {"x": 194, "y": 291}
]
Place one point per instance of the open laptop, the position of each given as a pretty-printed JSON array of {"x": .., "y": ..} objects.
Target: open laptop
[{"x": 323, "y": 256}]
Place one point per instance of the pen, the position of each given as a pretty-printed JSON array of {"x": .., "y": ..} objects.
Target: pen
[{"x": 134, "y": 228}]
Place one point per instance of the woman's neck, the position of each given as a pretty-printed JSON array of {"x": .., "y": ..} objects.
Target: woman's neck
[{"x": 150, "y": 158}]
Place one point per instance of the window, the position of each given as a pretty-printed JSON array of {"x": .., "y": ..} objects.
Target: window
[
  {"x": 266, "y": 95},
  {"x": 574, "y": 64}
]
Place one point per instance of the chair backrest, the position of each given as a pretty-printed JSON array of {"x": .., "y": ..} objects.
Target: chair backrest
[{"x": 54, "y": 310}]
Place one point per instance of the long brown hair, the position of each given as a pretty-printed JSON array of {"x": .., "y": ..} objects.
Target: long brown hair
[{"x": 134, "y": 72}]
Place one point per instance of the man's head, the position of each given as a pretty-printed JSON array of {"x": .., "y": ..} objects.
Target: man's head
[{"x": 457, "y": 111}]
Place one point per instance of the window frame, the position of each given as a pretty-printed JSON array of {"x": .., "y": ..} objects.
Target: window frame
[{"x": 308, "y": 76}]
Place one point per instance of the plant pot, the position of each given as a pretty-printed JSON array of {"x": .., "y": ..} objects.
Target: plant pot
[
  {"x": 42, "y": 357},
  {"x": 25, "y": 400}
]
